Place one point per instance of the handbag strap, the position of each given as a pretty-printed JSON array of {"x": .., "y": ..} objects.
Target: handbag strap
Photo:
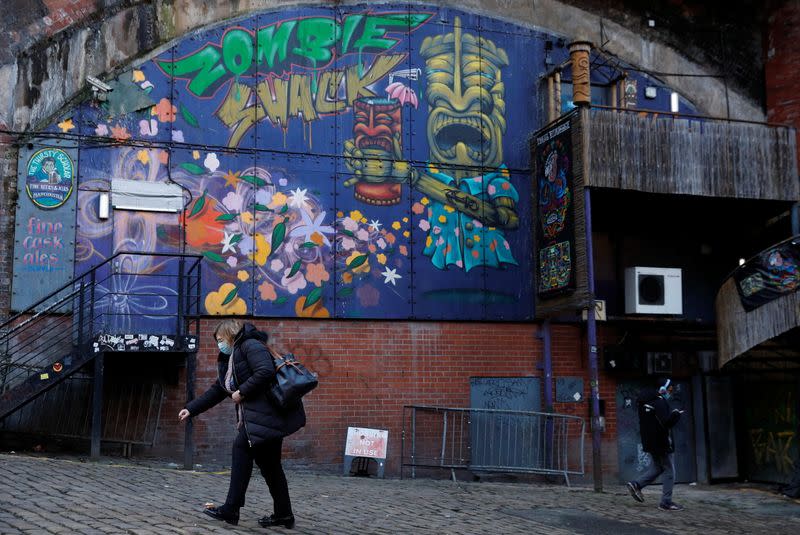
[{"x": 281, "y": 361}]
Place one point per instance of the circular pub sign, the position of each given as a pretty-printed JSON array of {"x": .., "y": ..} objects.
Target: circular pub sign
[{"x": 50, "y": 177}]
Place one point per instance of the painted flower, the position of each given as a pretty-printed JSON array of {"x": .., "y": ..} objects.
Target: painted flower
[
  {"x": 202, "y": 229},
  {"x": 267, "y": 291},
  {"x": 348, "y": 243},
  {"x": 375, "y": 225},
  {"x": 233, "y": 201},
  {"x": 120, "y": 132},
  {"x": 101, "y": 130},
  {"x": 309, "y": 229},
  {"x": 361, "y": 263},
  {"x": 317, "y": 274},
  {"x": 143, "y": 156},
  {"x": 381, "y": 258},
  {"x": 403, "y": 250},
  {"x": 234, "y": 306},
  {"x": 148, "y": 127},
  {"x": 424, "y": 224},
  {"x": 247, "y": 244},
  {"x": 263, "y": 197},
  {"x": 381, "y": 243},
  {"x": 247, "y": 217},
  {"x": 242, "y": 275},
  {"x": 278, "y": 199},
  {"x": 317, "y": 310},
  {"x": 232, "y": 261},
  {"x": 362, "y": 234},
  {"x": 263, "y": 249},
  {"x": 349, "y": 224},
  {"x": 294, "y": 284},
  {"x": 66, "y": 125},
  {"x": 228, "y": 243},
  {"x": 165, "y": 111},
  {"x": 417, "y": 208},
  {"x": 177, "y": 136},
  {"x": 276, "y": 265},
  {"x": 368, "y": 295},
  {"x": 355, "y": 215},
  {"x": 211, "y": 162},
  {"x": 299, "y": 198}
]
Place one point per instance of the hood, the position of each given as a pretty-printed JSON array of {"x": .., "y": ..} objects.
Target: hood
[
  {"x": 249, "y": 331},
  {"x": 647, "y": 394}
]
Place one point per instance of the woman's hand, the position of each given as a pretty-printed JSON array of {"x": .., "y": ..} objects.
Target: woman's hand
[
  {"x": 237, "y": 397},
  {"x": 183, "y": 414}
]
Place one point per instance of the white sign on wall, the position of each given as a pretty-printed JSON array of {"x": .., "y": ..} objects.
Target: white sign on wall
[{"x": 362, "y": 442}]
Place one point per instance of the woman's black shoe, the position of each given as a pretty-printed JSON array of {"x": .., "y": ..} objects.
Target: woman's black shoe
[
  {"x": 219, "y": 513},
  {"x": 272, "y": 520}
]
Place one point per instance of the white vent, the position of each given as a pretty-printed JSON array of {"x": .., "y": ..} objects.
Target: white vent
[
  {"x": 653, "y": 290},
  {"x": 146, "y": 196}
]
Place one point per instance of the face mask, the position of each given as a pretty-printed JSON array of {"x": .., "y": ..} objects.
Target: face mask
[{"x": 224, "y": 347}]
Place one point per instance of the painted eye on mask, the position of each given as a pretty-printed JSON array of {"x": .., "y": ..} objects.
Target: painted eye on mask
[{"x": 224, "y": 347}]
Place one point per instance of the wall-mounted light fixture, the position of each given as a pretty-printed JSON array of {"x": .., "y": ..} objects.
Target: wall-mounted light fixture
[
  {"x": 650, "y": 91},
  {"x": 103, "y": 206},
  {"x": 741, "y": 261},
  {"x": 674, "y": 102}
]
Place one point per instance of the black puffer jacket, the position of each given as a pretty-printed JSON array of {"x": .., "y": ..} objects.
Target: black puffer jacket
[
  {"x": 655, "y": 422},
  {"x": 253, "y": 371}
]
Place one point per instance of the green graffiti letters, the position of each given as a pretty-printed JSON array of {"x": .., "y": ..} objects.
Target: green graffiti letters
[{"x": 310, "y": 42}]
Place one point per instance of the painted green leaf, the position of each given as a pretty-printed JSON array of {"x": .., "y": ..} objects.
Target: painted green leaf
[
  {"x": 214, "y": 257},
  {"x": 284, "y": 209},
  {"x": 161, "y": 233},
  {"x": 348, "y": 233},
  {"x": 278, "y": 233},
  {"x": 253, "y": 180},
  {"x": 357, "y": 261},
  {"x": 237, "y": 238},
  {"x": 190, "y": 119},
  {"x": 295, "y": 269},
  {"x": 313, "y": 296},
  {"x": 231, "y": 295},
  {"x": 344, "y": 292},
  {"x": 261, "y": 208},
  {"x": 279, "y": 301},
  {"x": 193, "y": 168},
  {"x": 226, "y": 217},
  {"x": 198, "y": 204},
  {"x": 309, "y": 245}
]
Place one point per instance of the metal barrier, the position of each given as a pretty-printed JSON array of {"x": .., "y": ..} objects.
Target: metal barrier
[{"x": 492, "y": 441}]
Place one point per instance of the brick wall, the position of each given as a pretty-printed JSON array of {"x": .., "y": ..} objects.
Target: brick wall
[
  {"x": 370, "y": 370},
  {"x": 8, "y": 197},
  {"x": 782, "y": 65}
]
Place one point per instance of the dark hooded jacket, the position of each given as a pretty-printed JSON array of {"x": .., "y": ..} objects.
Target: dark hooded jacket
[
  {"x": 655, "y": 422},
  {"x": 253, "y": 371}
]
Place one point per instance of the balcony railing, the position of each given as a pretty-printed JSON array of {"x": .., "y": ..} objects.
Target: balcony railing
[{"x": 678, "y": 154}]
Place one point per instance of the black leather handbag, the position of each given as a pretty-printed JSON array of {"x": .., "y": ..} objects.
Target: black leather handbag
[{"x": 292, "y": 380}]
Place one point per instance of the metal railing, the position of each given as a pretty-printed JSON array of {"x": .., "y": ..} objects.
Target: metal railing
[
  {"x": 52, "y": 338},
  {"x": 489, "y": 440}
]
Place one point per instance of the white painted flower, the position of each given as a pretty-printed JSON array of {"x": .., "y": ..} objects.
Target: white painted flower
[
  {"x": 226, "y": 243},
  {"x": 309, "y": 228},
  {"x": 298, "y": 198},
  {"x": 375, "y": 225},
  {"x": 390, "y": 275},
  {"x": 276, "y": 265},
  {"x": 211, "y": 162},
  {"x": 177, "y": 136}
]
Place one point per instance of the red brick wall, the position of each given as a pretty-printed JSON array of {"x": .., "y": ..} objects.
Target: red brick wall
[
  {"x": 782, "y": 65},
  {"x": 370, "y": 370}
]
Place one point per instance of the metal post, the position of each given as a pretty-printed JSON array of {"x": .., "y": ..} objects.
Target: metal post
[
  {"x": 594, "y": 380},
  {"x": 796, "y": 219},
  {"x": 188, "y": 442},
  {"x": 548, "y": 390},
  {"x": 97, "y": 406},
  {"x": 181, "y": 281}
]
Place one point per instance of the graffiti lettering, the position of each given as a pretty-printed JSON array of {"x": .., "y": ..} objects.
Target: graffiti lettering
[
  {"x": 309, "y": 42},
  {"x": 771, "y": 447},
  {"x": 279, "y": 100}
]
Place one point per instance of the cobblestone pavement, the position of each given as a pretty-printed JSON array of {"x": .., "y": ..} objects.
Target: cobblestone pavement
[{"x": 65, "y": 495}]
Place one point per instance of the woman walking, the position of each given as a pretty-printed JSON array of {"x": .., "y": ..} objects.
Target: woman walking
[{"x": 244, "y": 370}]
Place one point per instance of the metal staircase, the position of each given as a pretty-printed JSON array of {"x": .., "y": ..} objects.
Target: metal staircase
[{"x": 130, "y": 301}]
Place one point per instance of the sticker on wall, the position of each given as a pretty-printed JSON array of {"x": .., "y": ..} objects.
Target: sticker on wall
[{"x": 49, "y": 179}]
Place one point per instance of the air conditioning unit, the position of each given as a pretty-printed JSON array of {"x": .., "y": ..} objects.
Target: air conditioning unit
[{"x": 653, "y": 290}]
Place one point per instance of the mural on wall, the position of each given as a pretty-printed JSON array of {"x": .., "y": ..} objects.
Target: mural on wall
[
  {"x": 356, "y": 162},
  {"x": 555, "y": 233},
  {"x": 773, "y": 273}
]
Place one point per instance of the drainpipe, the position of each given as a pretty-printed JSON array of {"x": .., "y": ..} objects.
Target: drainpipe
[
  {"x": 796, "y": 219},
  {"x": 582, "y": 96},
  {"x": 548, "y": 390}
]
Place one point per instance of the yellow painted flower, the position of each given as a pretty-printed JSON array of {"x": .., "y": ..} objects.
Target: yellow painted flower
[
  {"x": 406, "y": 234},
  {"x": 317, "y": 238},
  {"x": 442, "y": 219},
  {"x": 247, "y": 217},
  {"x": 138, "y": 76},
  {"x": 279, "y": 199},
  {"x": 263, "y": 249},
  {"x": 242, "y": 275},
  {"x": 424, "y": 201},
  {"x": 396, "y": 225},
  {"x": 476, "y": 237},
  {"x": 381, "y": 258},
  {"x": 405, "y": 220},
  {"x": 214, "y": 300},
  {"x": 449, "y": 209},
  {"x": 66, "y": 125},
  {"x": 143, "y": 156},
  {"x": 347, "y": 277},
  {"x": 196, "y": 154},
  {"x": 363, "y": 268},
  {"x": 314, "y": 311},
  {"x": 356, "y": 215},
  {"x": 363, "y": 219},
  {"x": 339, "y": 214},
  {"x": 428, "y": 241}
]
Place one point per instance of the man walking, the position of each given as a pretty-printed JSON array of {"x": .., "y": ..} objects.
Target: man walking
[{"x": 655, "y": 424}]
